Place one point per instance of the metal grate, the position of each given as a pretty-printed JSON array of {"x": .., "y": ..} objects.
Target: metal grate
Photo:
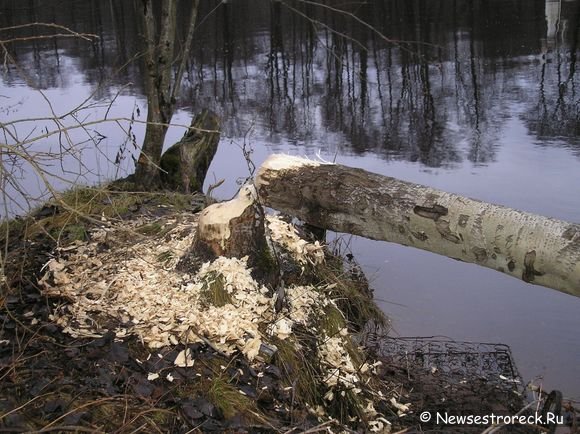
[
  {"x": 457, "y": 360},
  {"x": 440, "y": 375}
]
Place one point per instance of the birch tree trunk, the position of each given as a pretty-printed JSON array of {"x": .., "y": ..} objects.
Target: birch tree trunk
[{"x": 533, "y": 248}]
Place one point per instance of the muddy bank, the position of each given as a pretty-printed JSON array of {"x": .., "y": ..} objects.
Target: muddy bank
[{"x": 102, "y": 332}]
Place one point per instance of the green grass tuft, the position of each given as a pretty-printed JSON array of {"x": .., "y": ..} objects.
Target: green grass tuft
[
  {"x": 165, "y": 257},
  {"x": 149, "y": 229},
  {"x": 331, "y": 320},
  {"x": 352, "y": 296},
  {"x": 228, "y": 399}
]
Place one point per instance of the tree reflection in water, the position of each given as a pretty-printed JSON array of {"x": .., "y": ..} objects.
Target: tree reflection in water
[{"x": 430, "y": 81}]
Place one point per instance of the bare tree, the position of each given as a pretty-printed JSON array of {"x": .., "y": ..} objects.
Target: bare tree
[{"x": 161, "y": 83}]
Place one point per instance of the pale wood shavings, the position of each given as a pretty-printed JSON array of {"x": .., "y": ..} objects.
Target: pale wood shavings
[
  {"x": 304, "y": 303},
  {"x": 286, "y": 235},
  {"x": 150, "y": 298},
  {"x": 184, "y": 359},
  {"x": 339, "y": 366},
  {"x": 132, "y": 287}
]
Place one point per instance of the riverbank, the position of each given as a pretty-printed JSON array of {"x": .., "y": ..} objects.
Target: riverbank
[{"x": 104, "y": 330}]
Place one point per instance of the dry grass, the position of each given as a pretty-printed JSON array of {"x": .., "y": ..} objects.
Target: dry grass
[
  {"x": 300, "y": 370},
  {"x": 351, "y": 295},
  {"x": 68, "y": 218}
]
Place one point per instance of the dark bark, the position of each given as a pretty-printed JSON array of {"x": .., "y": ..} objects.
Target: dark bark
[
  {"x": 185, "y": 165},
  {"x": 161, "y": 86},
  {"x": 147, "y": 170}
]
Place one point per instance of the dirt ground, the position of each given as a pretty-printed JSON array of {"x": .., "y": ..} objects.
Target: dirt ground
[{"x": 53, "y": 382}]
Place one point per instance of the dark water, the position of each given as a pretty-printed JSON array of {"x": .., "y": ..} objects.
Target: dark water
[{"x": 480, "y": 98}]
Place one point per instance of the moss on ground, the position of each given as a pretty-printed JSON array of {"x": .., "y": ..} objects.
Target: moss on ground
[
  {"x": 214, "y": 292},
  {"x": 68, "y": 218}
]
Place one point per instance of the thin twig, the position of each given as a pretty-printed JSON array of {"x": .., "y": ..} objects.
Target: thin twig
[
  {"x": 26, "y": 404},
  {"x": 86, "y": 36},
  {"x": 74, "y": 428}
]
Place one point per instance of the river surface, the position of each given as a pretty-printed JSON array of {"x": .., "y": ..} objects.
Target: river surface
[{"x": 479, "y": 98}]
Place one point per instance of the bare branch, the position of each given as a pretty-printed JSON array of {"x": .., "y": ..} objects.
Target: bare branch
[
  {"x": 31, "y": 38},
  {"x": 70, "y": 32},
  {"x": 100, "y": 121},
  {"x": 397, "y": 43}
]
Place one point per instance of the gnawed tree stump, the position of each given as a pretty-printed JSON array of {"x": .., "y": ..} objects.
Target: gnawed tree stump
[
  {"x": 530, "y": 247},
  {"x": 232, "y": 229},
  {"x": 236, "y": 229},
  {"x": 185, "y": 164}
]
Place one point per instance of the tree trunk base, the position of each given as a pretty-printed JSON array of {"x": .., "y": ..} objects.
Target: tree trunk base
[{"x": 185, "y": 164}]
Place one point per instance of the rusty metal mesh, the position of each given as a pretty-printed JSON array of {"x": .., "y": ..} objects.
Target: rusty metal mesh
[
  {"x": 442, "y": 375},
  {"x": 456, "y": 360}
]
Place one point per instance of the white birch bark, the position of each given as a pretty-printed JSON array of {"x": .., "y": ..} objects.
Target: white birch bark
[{"x": 536, "y": 249}]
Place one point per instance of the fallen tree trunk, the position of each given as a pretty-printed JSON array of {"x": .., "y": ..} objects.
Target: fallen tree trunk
[{"x": 533, "y": 248}]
